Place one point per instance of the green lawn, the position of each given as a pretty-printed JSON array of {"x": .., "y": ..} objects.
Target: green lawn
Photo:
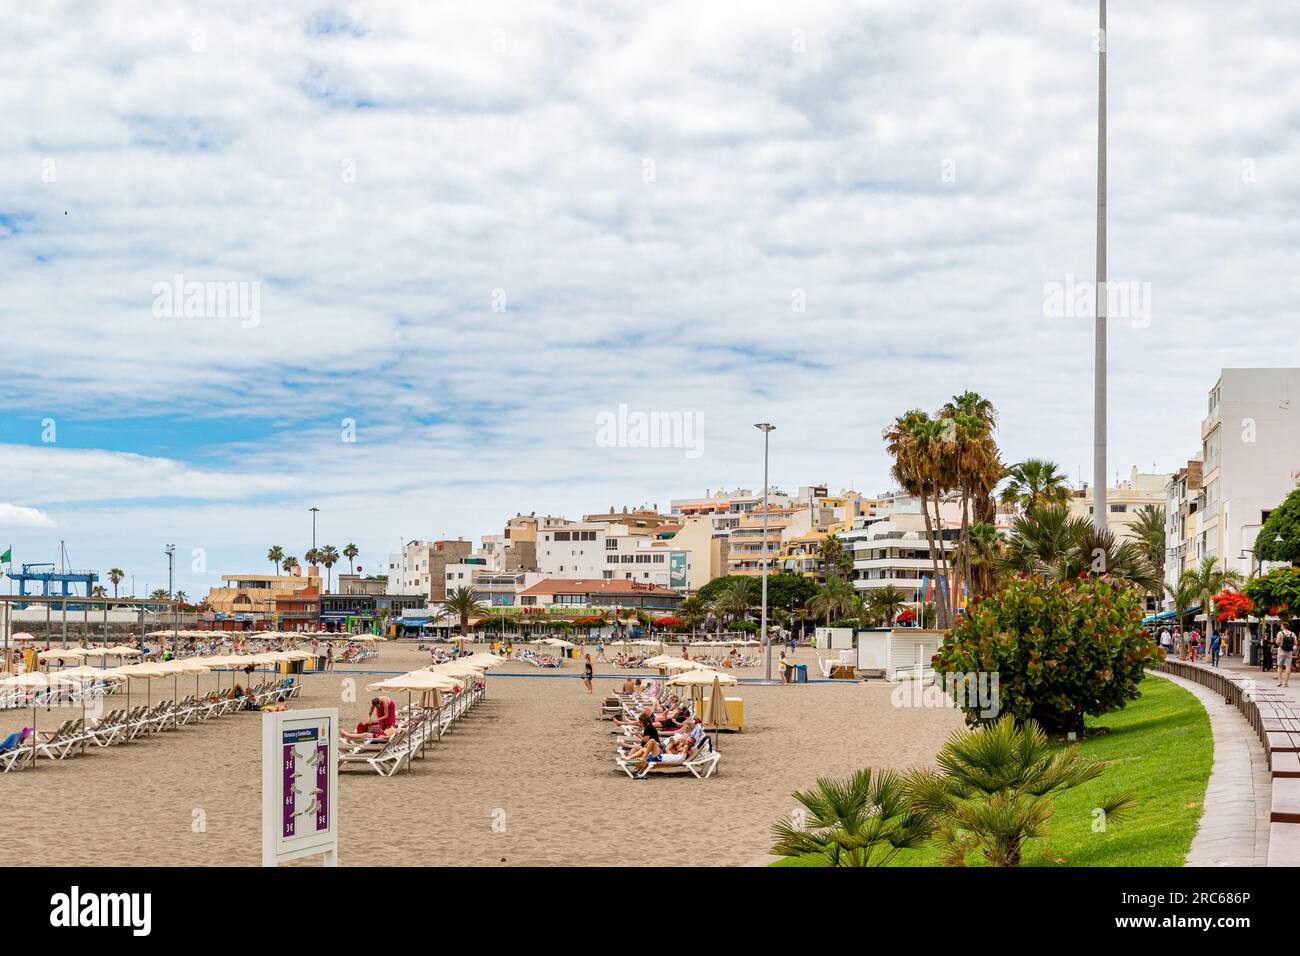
[{"x": 1160, "y": 748}]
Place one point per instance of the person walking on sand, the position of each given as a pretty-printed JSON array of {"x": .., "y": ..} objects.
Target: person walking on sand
[{"x": 587, "y": 672}]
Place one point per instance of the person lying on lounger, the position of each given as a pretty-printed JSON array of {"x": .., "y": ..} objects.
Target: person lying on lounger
[
  {"x": 649, "y": 750},
  {"x": 371, "y": 731},
  {"x": 15, "y": 740}
]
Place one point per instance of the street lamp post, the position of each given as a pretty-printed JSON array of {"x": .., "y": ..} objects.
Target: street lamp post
[
  {"x": 1099, "y": 508},
  {"x": 313, "y": 511},
  {"x": 766, "y": 429},
  {"x": 170, "y": 551}
]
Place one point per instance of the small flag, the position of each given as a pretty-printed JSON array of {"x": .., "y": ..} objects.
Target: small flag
[{"x": 7, "y": 556}]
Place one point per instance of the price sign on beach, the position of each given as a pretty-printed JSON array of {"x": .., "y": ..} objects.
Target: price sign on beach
[{"x": 300, "y": 766}]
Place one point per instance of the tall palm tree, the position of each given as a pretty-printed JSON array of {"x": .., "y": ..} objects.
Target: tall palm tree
[
  {"x": 692, "y": 611},
  {"x": 976, "y": 468},
  {"x": 275, "y": 556},
  {"x": 182, "y": 598},
  {"x": 288, "y": 562},
  {"x": 1149, "y": 532},
  {"x": 912, "y": 441},
  {"x": 329, "y": 556},
  {"x": 1184, "y": 594},
  {"x": 985, "y": 543},
  {"x": 116, "y": 575},
  {"x": 887, "y": 601},
  {"x": 1205, "y": 581},
  {"x": 464, "y": 604},
  {"x": 350, "y": 551},
  {"x": 312, "y": 557},
  {"x": 99, "y": 591},
  {"x": 1033, "y": 483},
  {"x": 830, "y": 551},
  {"x": 862, "y": 821}
]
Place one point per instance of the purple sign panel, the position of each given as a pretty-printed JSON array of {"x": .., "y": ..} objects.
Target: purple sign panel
[{"x": 290, "y": 762}]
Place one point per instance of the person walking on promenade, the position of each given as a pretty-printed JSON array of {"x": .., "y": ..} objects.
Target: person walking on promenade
[
  {"x": 1216, "y": 645},
  {"x": 1285, "y": 655}
]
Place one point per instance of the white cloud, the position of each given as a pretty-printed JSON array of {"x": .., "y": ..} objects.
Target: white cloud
[
  {"x": 505, "y": 146},
  {"x": 15, "y": 516}
]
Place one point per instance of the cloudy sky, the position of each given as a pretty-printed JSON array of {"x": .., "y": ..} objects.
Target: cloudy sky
[{"x": 462, "y": 233}]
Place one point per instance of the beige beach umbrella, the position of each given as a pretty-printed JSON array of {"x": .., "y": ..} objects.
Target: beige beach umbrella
[
  {"x": 63, "y": 654},
  {"x": 458, "y": 669},
  {"x": 682, "y": 664},
  {"x": 697, "y": 680},
  {"x": 718, "y": 717},
  {"x": 147, "y": 671},
  {"x": 422, "y": 682},
  {"x": 37, "y": 681},
  {"x": 83, "y": 673},
  {"x": 487, "y": 660}
]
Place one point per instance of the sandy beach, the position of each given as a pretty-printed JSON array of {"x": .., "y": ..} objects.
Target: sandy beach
[{"x": 533, "y": 757}]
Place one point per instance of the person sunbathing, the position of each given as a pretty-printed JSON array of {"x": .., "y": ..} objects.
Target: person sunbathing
[
  {"x": 15, "y": 740},
  {"x": 649, "y": 750},
  {"x": 677, "y": 750},
  {"x": 364, "y": 731}
]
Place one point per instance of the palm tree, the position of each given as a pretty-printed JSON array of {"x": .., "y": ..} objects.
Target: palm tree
[
  {"x": 996, "y": 790},
  {"x": 463, "y": 603},
  {"x": 1205, "y": 581},
  {"x": 275, "y": 556},
  {"x": 887, "y": 601},
  {"x": 312, "y": 557},
  {"x": 834, "y": 599},
  {"x": 862, "y": 821},
  {"x": 182, "y": 598},
  {"x": 733, "y": 602},
  {"x": 288, "y": 561},
  {"x": 830, "y": 551},
  {"x": 329, "y": 557},
  {"x": 99, "y": 591},
  {"x": 1048, "y": 540},
  {"x": 976, "y": 468},
  {"x": 985, "y": 544},
  {"x": 350, "y": 551},
  {"x": 1034, "y": 483},
  {"x": 692, "y": 611},
  {"x": 912, "y": 441},
  {"x": 1184, "y": 595},
  {"x": 1149, "y": 532},
  {"x": 116, "y": 575}
]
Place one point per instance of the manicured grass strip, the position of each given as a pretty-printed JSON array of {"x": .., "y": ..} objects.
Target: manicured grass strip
[{"x": 1160, "y": 748}]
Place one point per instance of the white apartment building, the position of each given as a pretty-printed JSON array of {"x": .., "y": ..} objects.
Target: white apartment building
[
  {"x": 893, "y": 550},
  {"x": 1182, "y": 537},
  {"x": 1250, "y": 447},
  {"x": 593, "y": 550}
]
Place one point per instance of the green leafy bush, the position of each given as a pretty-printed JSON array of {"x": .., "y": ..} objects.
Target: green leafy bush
[{"x": 1060, "y": 649}]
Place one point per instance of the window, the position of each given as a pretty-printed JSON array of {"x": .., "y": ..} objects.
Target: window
[{"x": 1118, "y": 509}]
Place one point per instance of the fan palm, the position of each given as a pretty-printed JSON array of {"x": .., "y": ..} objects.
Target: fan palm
[
  {"x": 734, "y": 601},
  {"x": 350, "y": 551},
  {"x": 996, "y": 788},
  {"x": 116, "y": 575},
  {"x": 288, "y": 562},
  {"x": 275, "y": 556},
  {"x": 1034, "y": 483},
  {"x": 1040, "y": 538},
  {"x": 1149, "y": 532},
  {"x": 862, "y": 821},
  {"x": 328, "y": 556},
  {"x": 463, "y": 603},
  {"x": 833, "y": 599},
  {"x": 887, "y": 601}
]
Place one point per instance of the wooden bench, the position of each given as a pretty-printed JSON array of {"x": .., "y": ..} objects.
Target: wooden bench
[{"x": 1275, "y": 717}]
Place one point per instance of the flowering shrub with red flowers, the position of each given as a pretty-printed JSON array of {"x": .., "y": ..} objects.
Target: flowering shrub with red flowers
[
  {"x": 1233, "y": 606},
  {"x": 668, "y": 622},
  {"x": 906, "y": 616}
]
